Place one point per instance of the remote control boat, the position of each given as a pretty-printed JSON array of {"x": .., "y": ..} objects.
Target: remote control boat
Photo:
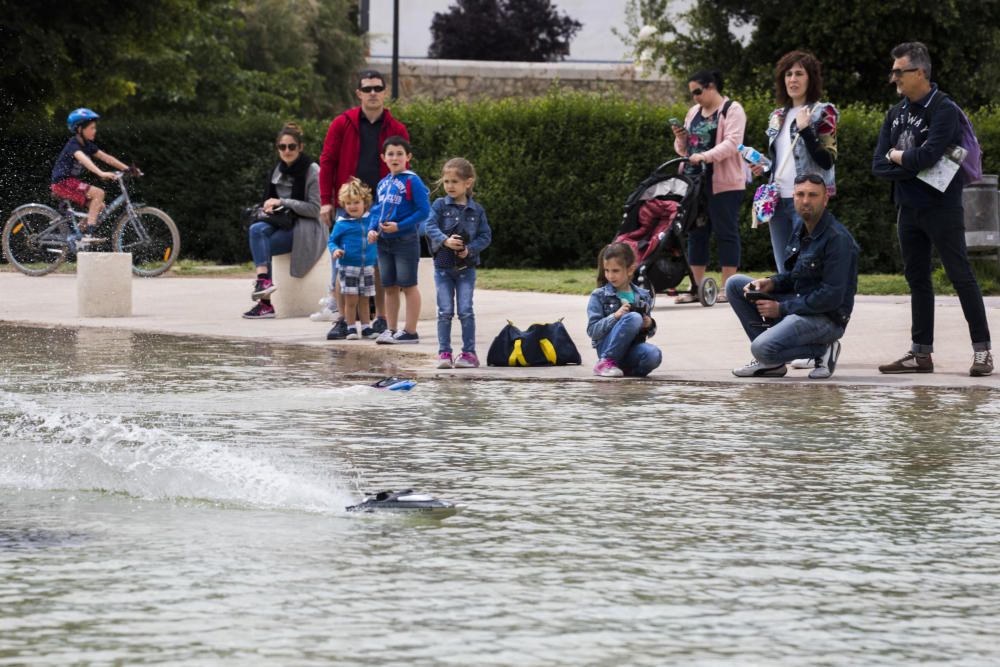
[
  {"x": 406, "y": 501},
  {"x": 394, "y": 383}
]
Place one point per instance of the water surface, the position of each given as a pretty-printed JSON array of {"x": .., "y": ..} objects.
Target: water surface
[{"x": 172, "y": 500}]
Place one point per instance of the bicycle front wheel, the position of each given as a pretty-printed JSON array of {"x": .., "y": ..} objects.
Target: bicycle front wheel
[
  {"x": 152, "y": 238},
  {"x": 34, "y": 240}
]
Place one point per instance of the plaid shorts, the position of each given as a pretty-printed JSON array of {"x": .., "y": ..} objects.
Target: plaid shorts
[{"x": 357, "y": 280}]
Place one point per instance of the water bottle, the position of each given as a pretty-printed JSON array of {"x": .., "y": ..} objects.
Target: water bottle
[{"x": 754, "y": 157}]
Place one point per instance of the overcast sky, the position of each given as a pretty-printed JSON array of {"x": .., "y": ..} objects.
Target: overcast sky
[{"x": 594, "y": 41}]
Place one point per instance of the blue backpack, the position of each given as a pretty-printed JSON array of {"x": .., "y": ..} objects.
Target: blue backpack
[{"x": 972, "y": 165}]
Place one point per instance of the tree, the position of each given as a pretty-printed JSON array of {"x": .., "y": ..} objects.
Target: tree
[
  {"x": 528, "y": 30},
  {"x": 293, "y": 57},
  {"x": 852, "y": 39}
]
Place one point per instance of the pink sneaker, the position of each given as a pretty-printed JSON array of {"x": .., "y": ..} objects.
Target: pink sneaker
[
  {"x": 467, "y": 360},
  {"x": 606, "y": 368},
  {"x": 444, "y": 360}
]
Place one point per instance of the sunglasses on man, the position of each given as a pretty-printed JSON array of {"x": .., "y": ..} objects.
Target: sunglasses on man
[
  {"x": 371, "y": 89},
  {"x": 815, "y": 179}
]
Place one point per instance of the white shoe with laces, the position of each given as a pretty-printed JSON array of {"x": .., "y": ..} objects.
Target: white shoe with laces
[
  {"x": 826, "y": 364},
  {"x": 755, "y": 370},
  {"x": 802, "y": 363}
]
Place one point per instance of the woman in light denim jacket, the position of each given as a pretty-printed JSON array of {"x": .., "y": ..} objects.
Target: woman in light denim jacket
[{"x": 798, "y": 82}]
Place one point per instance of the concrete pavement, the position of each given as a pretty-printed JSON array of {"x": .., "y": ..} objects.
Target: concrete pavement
[{"x": 699, "y": 344}]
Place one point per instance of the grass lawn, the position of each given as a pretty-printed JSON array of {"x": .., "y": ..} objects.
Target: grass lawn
[{"x": 583, "y": 281}]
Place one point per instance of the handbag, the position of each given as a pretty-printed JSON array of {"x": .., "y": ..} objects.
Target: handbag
[
  {"x": 280, "y": 216},
  {"x": 765, "y": 200},
  {"x": 547, "y": 344}
]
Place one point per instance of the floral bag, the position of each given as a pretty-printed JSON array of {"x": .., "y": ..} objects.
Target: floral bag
[{"x": 765, "y": 200}]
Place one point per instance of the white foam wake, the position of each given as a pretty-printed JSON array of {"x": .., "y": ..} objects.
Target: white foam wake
[{"x": 47, "y": 448}]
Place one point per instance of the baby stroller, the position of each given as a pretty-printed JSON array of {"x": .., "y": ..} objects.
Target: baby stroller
[{"x": 659, "y": 214}]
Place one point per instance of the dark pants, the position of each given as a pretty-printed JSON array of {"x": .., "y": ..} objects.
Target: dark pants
[
  {"x": 921, "y": 230},
  {"x": 723, "y": 219}
]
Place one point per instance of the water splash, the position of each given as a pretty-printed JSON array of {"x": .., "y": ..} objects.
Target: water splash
[{"x": 47, "y": 448}]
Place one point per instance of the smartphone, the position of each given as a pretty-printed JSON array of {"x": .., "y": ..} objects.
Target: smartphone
[{"x": 676, "y": 123}]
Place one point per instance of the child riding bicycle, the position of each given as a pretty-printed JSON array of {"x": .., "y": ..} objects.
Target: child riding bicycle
[{"x": 77, "y": 154}]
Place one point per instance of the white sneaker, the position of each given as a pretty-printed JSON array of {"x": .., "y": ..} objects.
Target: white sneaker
[
  {"x": 326, "y": 302},
  {"x": 385, "y": 338},
  {"x": 325, "y": 315},
  {"x": 754, "y": 369},
  {"x": 802, "y": 363},
  {"x": 826, "y": 364}
]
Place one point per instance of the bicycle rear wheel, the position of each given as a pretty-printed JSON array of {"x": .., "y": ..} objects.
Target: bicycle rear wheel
[
  {"x": 152, "y": 238},
  {"x": 34, "y": 241}
]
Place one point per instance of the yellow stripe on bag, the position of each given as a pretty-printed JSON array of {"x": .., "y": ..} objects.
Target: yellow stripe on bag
[
  {"x": 517, "y": 355},
  {"x": 548, "y": 349}
]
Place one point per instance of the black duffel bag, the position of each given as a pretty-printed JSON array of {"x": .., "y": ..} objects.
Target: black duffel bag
[{"x": 546, "y": 344}]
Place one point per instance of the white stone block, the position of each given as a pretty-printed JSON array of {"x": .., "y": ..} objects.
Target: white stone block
[
  {"x": 428, "y": 293},
  {"x": 297, "y": 297},
  {"x": 104, "y": 284}
]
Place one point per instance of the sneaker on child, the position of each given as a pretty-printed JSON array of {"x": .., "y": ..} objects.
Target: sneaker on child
[
  {"x": 982, "y": 364},
  {"x": 353, "y": 333},
  {"x": 827, "y": 363},
  {"x": 444, "y": 360},
  {"x": 338, "y": 331},
  {"x": 911, "y": 362},
  {"x": 262, "y": 311},
  {"x": 755, "y": 370},
  {"x": 404, "y": 336},
  {"x": 467, "y": 360},
  {"x": 379, "y": 325},
  {"x": 607, "y": 368},
  {"x": 385, "y": 338},
  {"x": 369, "y": 334},
  {"x": 262, "y": 287}
]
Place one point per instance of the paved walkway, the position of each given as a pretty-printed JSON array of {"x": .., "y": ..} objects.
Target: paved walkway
[{"x": 699, "y": 344}]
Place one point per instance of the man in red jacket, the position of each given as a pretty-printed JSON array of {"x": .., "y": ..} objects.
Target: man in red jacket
[{"x": 353, "y": 147}]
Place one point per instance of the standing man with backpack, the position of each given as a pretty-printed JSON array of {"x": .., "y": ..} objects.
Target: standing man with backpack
[{"x": 914, "y": 137}]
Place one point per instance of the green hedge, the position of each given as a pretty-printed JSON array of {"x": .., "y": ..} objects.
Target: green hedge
[{"x": 553, "y": 171}]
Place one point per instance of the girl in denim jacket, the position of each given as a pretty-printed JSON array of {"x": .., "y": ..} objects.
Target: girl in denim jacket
[
  {"x": 458, "y": 232},
  {"x": 618, "y": 320}
]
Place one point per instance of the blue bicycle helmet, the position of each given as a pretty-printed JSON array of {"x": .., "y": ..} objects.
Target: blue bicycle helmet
[{"x": 80, "y": 116}]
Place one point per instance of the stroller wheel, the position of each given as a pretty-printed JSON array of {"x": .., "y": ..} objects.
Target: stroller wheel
[{"x": 708, "y": 292}]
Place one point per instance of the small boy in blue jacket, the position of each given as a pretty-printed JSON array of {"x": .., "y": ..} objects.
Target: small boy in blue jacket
[
  {"x": 349, "y": 244},
  {"x": 396, "y": 222}
]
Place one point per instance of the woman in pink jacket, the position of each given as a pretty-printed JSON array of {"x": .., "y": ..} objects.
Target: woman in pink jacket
[{"x": 712, "y": 130}]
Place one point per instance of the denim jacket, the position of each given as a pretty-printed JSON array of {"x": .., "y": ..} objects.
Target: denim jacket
[
  {"x": 821, "y": 272},
  {"x": 604, "y": 301},
  {"x": 449, "y": 218},
  {"x": 816, "y": 152}
]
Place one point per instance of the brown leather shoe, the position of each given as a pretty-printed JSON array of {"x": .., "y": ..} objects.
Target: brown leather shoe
[{"x": 912, "y": 362}]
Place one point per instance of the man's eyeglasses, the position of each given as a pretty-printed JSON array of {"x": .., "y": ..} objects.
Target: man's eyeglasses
[
  {"x": 815, "y": 179},
  {"x": 697, "y": 91},
  {"x": 287, "y": 147},
  {"x": 371, "y": 89},
  {"x": 898, "y": 73}
]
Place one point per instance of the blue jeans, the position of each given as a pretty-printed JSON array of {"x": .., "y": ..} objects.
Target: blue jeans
[
  {"x": 455, "y": 286},
  {"x": 920, "y": 230},
  {"x": 781, "y": 230},
  {"x": 791, "y": 337},
  {"x": 723, "y": 220},
  {"x": 398, "y": 258},
  {"x": 639, "y": 359},
  {"x": 266, "y": 240}
]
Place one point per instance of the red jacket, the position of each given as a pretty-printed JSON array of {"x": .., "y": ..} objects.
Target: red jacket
[{"x": 342, "y": 147}]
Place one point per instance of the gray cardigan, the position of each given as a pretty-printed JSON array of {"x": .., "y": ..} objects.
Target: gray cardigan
[{"x": 309, "y": 234}]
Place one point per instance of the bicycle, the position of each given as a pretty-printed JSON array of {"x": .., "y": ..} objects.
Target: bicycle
[{"x": 38, "y": 238}]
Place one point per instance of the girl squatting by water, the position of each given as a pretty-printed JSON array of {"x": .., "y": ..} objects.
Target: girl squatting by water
[
  {"x": 618, "y": 320},
  {"x": 458, "y": 231}
]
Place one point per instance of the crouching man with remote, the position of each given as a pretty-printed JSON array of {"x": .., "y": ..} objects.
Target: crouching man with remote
[{"x": 801, "y": 312}]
